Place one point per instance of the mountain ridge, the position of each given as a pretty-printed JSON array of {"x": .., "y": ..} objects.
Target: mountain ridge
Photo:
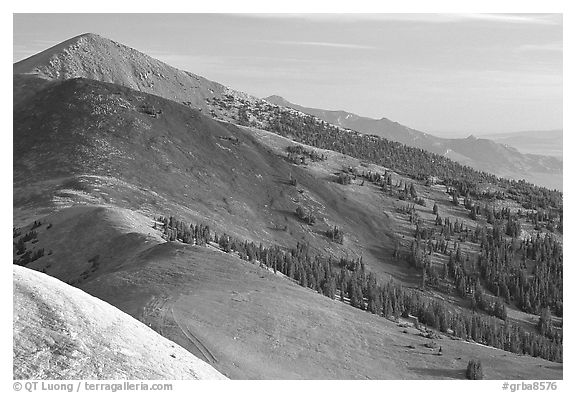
[
  {"x": 94, "y": 57},
  {"x": 546, "y": 142},
  {"x": 479, "y": 153}
]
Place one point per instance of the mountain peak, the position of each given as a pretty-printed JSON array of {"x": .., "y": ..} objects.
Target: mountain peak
[
  {"x": 277, "y": 100},
  {"x": 51, "y": 62},
  {"x": 90, "y": 35},
  {"x": 87, "y": 35}
]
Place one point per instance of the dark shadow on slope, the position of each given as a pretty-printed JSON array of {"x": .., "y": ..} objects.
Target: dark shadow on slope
[{"x": 401, "y": 272}]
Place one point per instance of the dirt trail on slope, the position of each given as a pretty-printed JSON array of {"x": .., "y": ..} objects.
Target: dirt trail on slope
[
  {"x": 207, "y": 356},
  {"x": 61, "y": 332},
  {"x": 159, "y": 314}
]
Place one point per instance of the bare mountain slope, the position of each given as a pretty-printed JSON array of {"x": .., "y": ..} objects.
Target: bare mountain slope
[
  {"x": 92, "y": 142},
  {"x": 60, "y": 332},
  {"x": 481, "y": 154},
  {"x": 94, "y": 57}
]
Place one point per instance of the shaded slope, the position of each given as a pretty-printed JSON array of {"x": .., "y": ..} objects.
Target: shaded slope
[
  {"x": 110, "y": 238},
  {"x": 60, "y": 332},
  {"x": 82, "y": 127},
  {"x": 26, "y": 86},
  {"x": 83, "y": 141},
  {"x": 481, "y": 154}
]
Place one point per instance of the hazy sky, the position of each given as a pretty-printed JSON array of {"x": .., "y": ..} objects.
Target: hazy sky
[{"x": 439, "y": 73}]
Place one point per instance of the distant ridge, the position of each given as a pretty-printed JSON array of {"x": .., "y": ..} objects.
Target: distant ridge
[
  {"x": 548, "y": 142},
  {"x": 94, "y": 57},
  {"x": 479, "y": 153},
  {"x": 382, "y": 127}
]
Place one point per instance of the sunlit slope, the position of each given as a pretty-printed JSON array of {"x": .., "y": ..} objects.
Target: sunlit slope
[
  {"x": 60, "y": 332},
  {"x": 94, "y": 57}
]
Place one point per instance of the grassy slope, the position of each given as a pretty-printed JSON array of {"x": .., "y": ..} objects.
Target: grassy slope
[
  {"x": 381, "y": 206},
  {"x": 89, "y": 142},
  {"x": 251, "y": 324},
  {"x": 244, "y": 320},
  {"x": 181, "y": 162}
]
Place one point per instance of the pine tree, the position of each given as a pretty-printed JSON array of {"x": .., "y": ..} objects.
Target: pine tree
[
  {"x": 544, "y": 325},
  {"x": 474, "y": 370}
]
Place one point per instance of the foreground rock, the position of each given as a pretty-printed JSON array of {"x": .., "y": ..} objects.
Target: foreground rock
[{"x": 60, "y": 332}]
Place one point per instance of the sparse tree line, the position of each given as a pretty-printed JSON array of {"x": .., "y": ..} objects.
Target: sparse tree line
[
  {"x": 531, "y": 291},
  {"x": 298, "y": 154},
  {"x": 474, "y": 370},
  {"x": 501, "y": 265},
  {"x": 174, "y": 229},
  {"x": 547, "y": 204},
  {"x": 336, "y": 234},
  {"x": 398, "y": 189},
  {"x": 27, "y": 256},
  {"x": 416, "y": 163},
  {"x": 305, "y": 215},
  {"x": 550, "y": 218},
  {"x": 348, "y": 280}
]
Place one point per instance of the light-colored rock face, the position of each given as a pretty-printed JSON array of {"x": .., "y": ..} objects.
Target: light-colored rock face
[{"x": 60, "y": 332}]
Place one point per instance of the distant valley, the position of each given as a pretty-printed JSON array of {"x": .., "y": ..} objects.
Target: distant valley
[{"x": 548, "y": 143}]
